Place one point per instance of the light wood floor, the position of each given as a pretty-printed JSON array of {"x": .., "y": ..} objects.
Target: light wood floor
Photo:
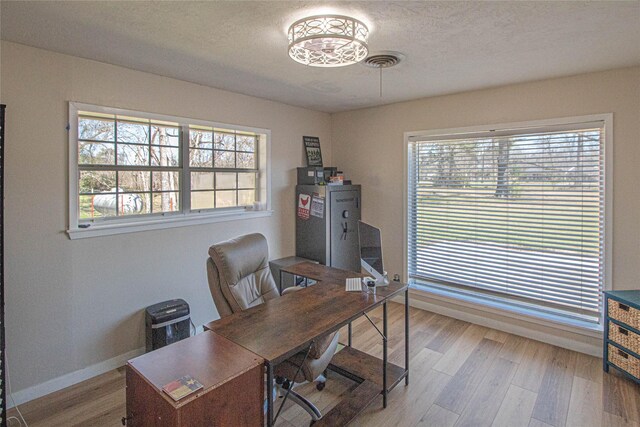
[{"x": 461, "y": 375}]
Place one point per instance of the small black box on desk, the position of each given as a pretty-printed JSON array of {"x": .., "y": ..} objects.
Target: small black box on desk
[{"x": 311, "y": 175}]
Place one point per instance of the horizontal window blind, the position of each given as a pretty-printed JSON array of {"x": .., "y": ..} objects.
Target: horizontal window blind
[{"x": 518, "y": 214}]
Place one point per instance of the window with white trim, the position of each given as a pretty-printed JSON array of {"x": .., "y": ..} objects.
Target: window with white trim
[
  {"x": 515, "y": 215},
  {"x": 129, "y": 169}
]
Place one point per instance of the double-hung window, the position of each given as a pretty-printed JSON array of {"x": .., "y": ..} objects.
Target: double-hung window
[
  {"x": 224, "y": 167},
  {"x": 514, "y": 214},
  {"x": 131, "y": 171}
]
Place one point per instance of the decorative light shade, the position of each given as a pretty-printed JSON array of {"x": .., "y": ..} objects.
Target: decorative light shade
[{"x": 328, "y": 41}]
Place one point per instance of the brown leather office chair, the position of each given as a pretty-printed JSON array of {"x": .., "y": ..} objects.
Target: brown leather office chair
[{"x": 240, "y": 278}]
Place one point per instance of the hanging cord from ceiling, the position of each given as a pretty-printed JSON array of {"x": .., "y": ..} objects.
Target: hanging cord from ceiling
[{"x": 383, "y": 60}]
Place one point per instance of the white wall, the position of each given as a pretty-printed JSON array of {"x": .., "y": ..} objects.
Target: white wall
[
  {"x": 368, "y": 146},
  {"x": 74, "y": 304}
]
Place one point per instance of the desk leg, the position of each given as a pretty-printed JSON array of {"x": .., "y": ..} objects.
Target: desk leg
[
  {"x": 349, "y": 334},
  {"x": 384, "y": 355},
  {"x": 406, "y": 336},
  {"x": 269, "y": 394}
]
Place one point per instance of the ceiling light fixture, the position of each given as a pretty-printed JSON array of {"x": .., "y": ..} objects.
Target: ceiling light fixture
[{"x": 328, "y": 41}]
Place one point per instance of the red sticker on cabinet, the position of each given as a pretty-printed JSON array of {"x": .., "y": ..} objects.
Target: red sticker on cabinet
[{"x": 304, "y": 202}]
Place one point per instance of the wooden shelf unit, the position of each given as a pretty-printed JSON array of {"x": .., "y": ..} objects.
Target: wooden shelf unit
[
  {"x": 621, "y": 348},
  {"x": 365, "y": 370}
]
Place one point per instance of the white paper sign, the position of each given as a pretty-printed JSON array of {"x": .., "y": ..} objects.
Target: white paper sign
[{"x": 317, "y": 206}]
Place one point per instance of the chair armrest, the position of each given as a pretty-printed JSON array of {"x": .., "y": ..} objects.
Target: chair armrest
[
  {"x": 321, "y": 345},
  {"x": 292, "y": 289}
]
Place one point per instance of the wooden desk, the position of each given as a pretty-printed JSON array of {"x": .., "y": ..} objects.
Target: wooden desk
[
  {"x": 233, "y": 380},
  {"x": 322, "y": 273},
  {"x": 282, "y": 327}
]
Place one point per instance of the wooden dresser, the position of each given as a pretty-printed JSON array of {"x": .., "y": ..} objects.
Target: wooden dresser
[
  {"x": 622, "y": 332},
  {"x": 233, "y": 380}
]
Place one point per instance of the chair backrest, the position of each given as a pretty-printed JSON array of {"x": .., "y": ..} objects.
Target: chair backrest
[{"x": 239, "y": 275}]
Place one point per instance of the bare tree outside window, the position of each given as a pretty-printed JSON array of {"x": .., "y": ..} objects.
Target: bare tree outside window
[
  {"x": 132, "y": 166},
  {"x": 502, "y": 182}
]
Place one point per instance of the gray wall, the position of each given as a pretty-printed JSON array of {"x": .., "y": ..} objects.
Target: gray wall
[{"x": 74, "y": 304}]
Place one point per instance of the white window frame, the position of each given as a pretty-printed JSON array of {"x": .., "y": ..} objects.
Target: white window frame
[
  {"x": 185, "y": 217},
  {"x": 502, "y": 305}
]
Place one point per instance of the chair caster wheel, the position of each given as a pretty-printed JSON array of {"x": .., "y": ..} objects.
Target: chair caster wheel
[
  {"x": 286, "y": 384},
  {"x": 312, "y": 422},
  {"x": 320, "y": 386}
]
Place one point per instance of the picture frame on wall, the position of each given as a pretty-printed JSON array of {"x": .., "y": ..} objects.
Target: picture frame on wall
[{"x": 312, "y": 149}]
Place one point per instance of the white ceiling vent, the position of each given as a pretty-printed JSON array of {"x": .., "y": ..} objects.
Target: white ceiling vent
[{"x": 383, "y": 59}]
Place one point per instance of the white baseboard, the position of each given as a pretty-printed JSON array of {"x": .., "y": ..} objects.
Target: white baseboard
[
  {"x": 523, "y": 327},
  {"x": 66, "y": 380}
]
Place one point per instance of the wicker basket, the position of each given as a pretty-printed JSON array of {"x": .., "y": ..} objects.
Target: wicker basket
[
  {"x": 623, "y": 313},
  {"x": 624, "y": 361},
  {"x": 624, "y": 337}
]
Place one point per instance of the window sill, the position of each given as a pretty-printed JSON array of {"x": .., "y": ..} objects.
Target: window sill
[
  {"x": 505, "y": 308},
  {"x": 96, "y": 230}
]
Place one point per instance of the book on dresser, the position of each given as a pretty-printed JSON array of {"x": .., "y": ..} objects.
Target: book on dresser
[
  {"x": 622, "y": 333},
  {"x": 182, "y": 387}
]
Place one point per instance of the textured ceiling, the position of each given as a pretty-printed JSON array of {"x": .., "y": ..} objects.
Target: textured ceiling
[{"x": 241, "y": 46}]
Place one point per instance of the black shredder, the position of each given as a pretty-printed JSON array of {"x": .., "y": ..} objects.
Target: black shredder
[{"x": 167, "y": 322}]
